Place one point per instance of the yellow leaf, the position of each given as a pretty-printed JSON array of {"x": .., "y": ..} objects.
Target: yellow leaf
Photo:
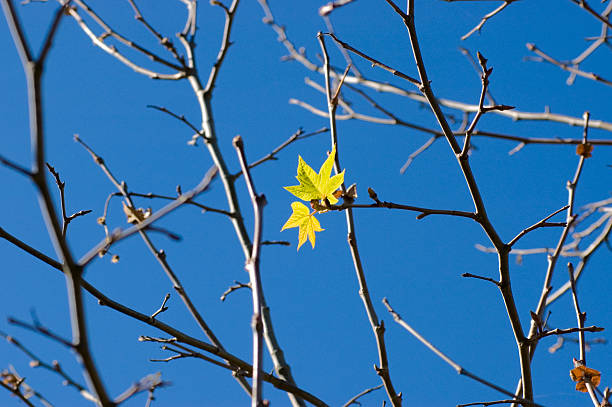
[
  {"x": 305, "y": 221},
  {"x": 314, "y": 185}
]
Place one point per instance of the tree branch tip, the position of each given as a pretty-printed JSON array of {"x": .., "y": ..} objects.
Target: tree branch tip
[{"x": 237, "y": 141}]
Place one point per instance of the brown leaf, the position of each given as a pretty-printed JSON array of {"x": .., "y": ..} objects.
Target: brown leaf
[
  {"x": 584, "y": 149},
  {"x": 135, "y": 215},
  {"x": 583, "y": 375}
]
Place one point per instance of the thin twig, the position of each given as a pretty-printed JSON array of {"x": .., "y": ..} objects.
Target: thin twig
[
  {"x": 567, "y": 67},
  {"x": 252, "y": 267},
  {"x": 163, "y": 307},
  {"x": 296, "y": 54},
  {"x": 42, "y": 330},
  {"x": 583, "y": 4},
  {"x": 237, "y": 285},
  {"x": 460, "y": 370},
  {"x": 225, "y": 42},
  {"x": 378, "y": 328},
  {"x": 470, "y": 275},
  {"x": 538, "y": 225},
  {"x": 581, "y": 317},
  {"x": 14, "y": 166},
  {"x": 34, "y": 68},
  {"x": 54, "y": 367},
  {"x": 163, "y": 40},
  {"x": 479, "y": 206},
  {"x": 423, "y": 212},
  {"x": 148, "y": 383},
  {"x": 205, "y": 208},
  {"x": 238, "y": 367},
  {"x": 490, "y": 403},
  {"x": 486, "y": 17},
  {"x": 298, "y": 135},
  {"x": 61, "y": 187},
  {"x": 235, "y": 363},
  {"x": 17, "y": 392},
  {"x": 204, "y": 97},
  {"x": 476, "y": 67},
  {"x": 178, "y": 117},
  {"x": 113, "y": 51},
  {"x": 375, "y": 62},
  {"x": 354, "y": 399},
  {"x": 552, "y": 259}
]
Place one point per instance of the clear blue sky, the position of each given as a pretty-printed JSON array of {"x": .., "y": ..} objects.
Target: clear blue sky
[{"x": 313, "y": 294}]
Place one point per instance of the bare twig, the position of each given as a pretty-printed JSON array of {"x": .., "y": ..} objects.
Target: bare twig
[
  {"x": 476, "y": 67},
  {"x": 583, "y": 4},
  {"x": 558, "y": 331},
  {"x": 237, "y": 285},
  {"x": 238, "y": 367},
  {"x": 327, "y": 9},
  {"x": 354, "y": 399},
  {"x": 540, "y": 224},
  {"x": 163, "y": 307},
  {"x": 13, "y": 383},
  {"x": 486, "y": 72},
  {"x": 234, "y": 363},
  {"x": 418, "y": 151},
  {"x": 163, "y": 40},
  {"x": 42, "y": 330},
  {"x": 54, "y": 367},
  {"x": 61, "y": 186},
  {"x": 489, "y": 403},
  {"x": 140, "y": 228},
  {"x": 299, "y": 56},
  {"x": 16, "y": 167},
  {"x": 225, "y": 43},
  {"x": 252, "y": 267},
  {"x": 567, "y": 67},
  {"x": 581, "y": 317},
  {"x": 423, "y": 212},
  {"x": 502, "y": 249},
  {"x": 460, "y": 370},
  {"x": 34, "y": 68},
  {"x": 470, "y": 275},
  {"x": 552, "y": 259},
  {"x": 148, "y": 383},
  {"x": 204, "y": 97},
  {"x": 298, "y": 135},
  {"x": 150, "y": 195},
  {"x": 486, "y": 17},
  {"x": 584, "y": 257},
  {"x": 99, "y": 41},
  {"x": 180, "y": 118},
  {"x": 378, "y": 328},
  {"x": 375, "y": 62}
]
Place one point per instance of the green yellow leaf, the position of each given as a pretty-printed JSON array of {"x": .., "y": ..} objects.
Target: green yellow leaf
[
  {"x": 317, "y": 185},
  {"x": 308, "y": 224}
]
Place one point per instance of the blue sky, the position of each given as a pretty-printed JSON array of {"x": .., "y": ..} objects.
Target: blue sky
[{"x": 313, "y": 294}]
